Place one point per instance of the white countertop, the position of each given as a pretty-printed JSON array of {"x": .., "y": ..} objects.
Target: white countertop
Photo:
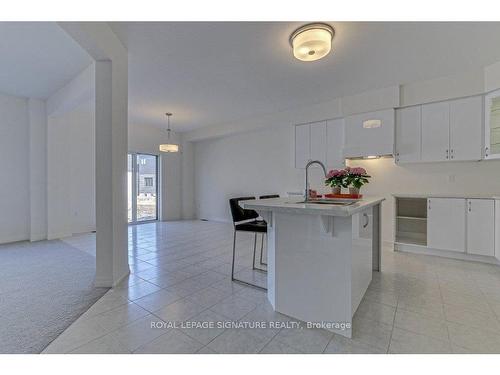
[
  {"x": 446, "y": 195},
  {"x": 292, "y": 205}
]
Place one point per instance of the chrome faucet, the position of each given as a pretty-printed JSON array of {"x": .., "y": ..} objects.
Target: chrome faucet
[{"x": 307, "y": 175}]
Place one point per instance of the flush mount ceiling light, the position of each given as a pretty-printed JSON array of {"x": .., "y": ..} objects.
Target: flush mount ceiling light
[
  {"x": 312, "y": 41},
  {"x": 169, "y": 147}
]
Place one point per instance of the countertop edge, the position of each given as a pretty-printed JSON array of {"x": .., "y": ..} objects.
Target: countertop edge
[
  {"x": 300, "y": 208},
  {"x": 464, "y": 196}
]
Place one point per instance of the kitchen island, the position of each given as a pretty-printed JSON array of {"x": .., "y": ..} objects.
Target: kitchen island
[{"x": 320, "y": 257}]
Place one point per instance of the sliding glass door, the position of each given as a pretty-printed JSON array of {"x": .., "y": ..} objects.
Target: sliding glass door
[{"x": 142, "y": 187}]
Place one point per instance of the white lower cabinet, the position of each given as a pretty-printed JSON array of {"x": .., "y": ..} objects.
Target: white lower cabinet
[
  {"x": 465, "y": 228},
  {"x": 481, "y": 227},
  {"x": 446, "y": 224}
]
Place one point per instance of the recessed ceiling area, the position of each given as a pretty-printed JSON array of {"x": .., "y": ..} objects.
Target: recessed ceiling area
[
  {"x": 209, "y": 73},
  {"x": 38, "y": 58}
]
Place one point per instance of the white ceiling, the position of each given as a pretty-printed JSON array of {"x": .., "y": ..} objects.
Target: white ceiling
[
  {"x": 210, "y": 73},
  {"x": 37, "y": 58}
]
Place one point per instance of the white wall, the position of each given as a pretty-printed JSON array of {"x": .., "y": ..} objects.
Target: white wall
[
  {"x": 71, "y": 172},
  {"x": 188, "y": 210},
  {"x": 38, "y": 169},
  {"x": 71, "y": 157},
  {"x": 255, "y": 163},
  {"x": 14, "y": 169}
]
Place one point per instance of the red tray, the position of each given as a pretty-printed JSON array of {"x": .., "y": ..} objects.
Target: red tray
[{"x": 344, "y": 196}]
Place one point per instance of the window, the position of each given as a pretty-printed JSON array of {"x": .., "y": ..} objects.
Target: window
[{"x": 142, "y": 187}]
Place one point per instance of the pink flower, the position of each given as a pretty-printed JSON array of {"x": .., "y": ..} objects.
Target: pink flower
[{"x": 358, "y": 171}]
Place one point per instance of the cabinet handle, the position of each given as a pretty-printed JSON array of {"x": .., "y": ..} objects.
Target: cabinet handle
[
  {"x": 429, "y": 204},
  {"x": 447, "y": 152},
  {"x": 470, "y": 206},
  {"x": 486, "y": 151},
  {"x": 367, "y": 220}
]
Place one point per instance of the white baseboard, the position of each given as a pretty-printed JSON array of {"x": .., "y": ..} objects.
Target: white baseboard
[
  {"x": 122, "y": 277},
  {"x": 418, "y": 249},
  {"x": 103, "y": 282},
  {"x": 107, "y": 282}
]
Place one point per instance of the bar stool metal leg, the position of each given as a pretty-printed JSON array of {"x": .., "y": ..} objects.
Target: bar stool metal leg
[
  {"x": 232, "y": 265},
  {"x": 234, "y": 253},
  {"x": 254, "y": 250}
]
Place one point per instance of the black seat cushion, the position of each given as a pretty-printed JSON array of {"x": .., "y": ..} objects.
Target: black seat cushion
[{"x": 252, "y": 226}]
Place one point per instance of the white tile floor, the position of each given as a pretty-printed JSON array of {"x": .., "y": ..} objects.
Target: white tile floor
[{"x": 180, "y": 272}]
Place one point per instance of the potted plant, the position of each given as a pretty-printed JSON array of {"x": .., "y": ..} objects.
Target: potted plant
[
  {"x": 355, "y": 179},
  {"x": 336, "y": 179}
]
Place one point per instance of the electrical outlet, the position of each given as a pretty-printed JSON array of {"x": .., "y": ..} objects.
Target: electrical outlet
[{"x": 451, "y": 178}]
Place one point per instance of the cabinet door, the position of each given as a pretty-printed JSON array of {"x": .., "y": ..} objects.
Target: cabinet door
[
  {"x": 481, "y": 227},
  {"x": 492, "y": 125},
  {"x": 435, "y": 131},
  {"x": 446, "y": 224},
  {"x": 497, "y": 229},
  {"x": 335, "y": 143},
  {"x": 370, "y": 133},
  {"x": 302, "y": 145},
  {"x": 318, "y": 141},
  {"x": 466, "y": 124},
  {"x": 408, "y": 135}
]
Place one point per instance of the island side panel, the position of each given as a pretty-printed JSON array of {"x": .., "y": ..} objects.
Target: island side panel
[
  {"x": 313, "y": 268},
  {"x": 271, "y": 258},
  {"x": 377, "y": 238},
  {"x": 362, "y": 250}
]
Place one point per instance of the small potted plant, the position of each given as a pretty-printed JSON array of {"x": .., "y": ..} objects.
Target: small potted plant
[
  {"x": 336, "y": 180},
  {"x": 355, "y": 179}
]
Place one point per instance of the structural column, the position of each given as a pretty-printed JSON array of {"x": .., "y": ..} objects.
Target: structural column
[{"x": 111, "y": 128}]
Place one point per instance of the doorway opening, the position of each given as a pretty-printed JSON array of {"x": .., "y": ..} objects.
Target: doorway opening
[{"x": 142, "y": 181}]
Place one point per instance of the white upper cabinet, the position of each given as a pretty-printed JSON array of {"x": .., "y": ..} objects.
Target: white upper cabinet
[
  {"x": 318, "y": 141},
  {"x": 335, "y": 143},
  {"x": 492, "y": 125},
  {"x": 310, "y": 143},
  {"x": 435, "y": 131},
  {"x": 497, "y": 229},
  {"x": 408, "y": 135},
  {"x": 452, "y": 130},
  {"x": 466, "y": 124},
  {"x": 302, "y": 145},
  {"x": 481, "y": 227},
  {"x": 446, "y": 224},
  {"x": 369, "y": 134}
]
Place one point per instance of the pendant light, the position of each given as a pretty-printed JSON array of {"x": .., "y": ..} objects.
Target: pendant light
[{"x": 169, "y": 147}]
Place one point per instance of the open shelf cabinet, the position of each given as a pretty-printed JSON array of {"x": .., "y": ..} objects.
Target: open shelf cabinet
[{"x": 411, "y": 221}]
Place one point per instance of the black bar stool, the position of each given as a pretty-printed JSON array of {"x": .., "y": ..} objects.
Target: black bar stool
[
  {"x": 270, "y": 196},
  {"x": 245, "y": 221}
]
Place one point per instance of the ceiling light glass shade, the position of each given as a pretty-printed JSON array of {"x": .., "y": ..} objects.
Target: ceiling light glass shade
[
  {"x": 312, "y": 42},
  {"x": 371, "y": 124},
  {"x": 168, "y": 147}
]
